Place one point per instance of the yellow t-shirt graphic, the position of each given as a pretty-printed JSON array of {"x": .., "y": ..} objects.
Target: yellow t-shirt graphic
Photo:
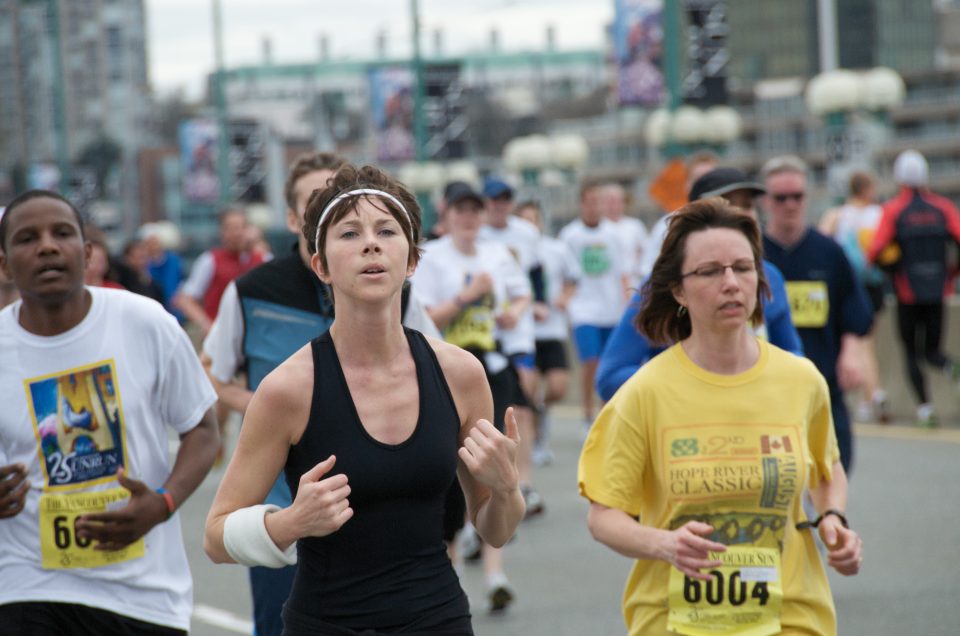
[
  {"x": 677, "y": 444},
  {"x": 474, "y": 326}
]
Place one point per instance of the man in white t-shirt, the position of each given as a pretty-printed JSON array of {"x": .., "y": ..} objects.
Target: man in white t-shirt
[
  {"x": 553, "y": 287},
  {"x": 603, "y": 290},
  {"x": 520, "y": 238},
  {"x": 631, "y": 231},
  {"x": 90, "y": 380}
]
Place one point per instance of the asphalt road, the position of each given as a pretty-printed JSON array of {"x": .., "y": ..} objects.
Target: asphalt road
[{"x": 904, "y": 498}]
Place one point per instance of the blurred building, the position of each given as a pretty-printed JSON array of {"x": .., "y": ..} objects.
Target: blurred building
[
  {"x": 75, "y": 90},
  {"x": 778, "y": 38},
  {"x": 335, "y": 104},
  {"x": 773, "y": 52}
]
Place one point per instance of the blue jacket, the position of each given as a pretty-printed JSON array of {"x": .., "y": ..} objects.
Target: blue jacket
[{"x": 627, "y": 350}]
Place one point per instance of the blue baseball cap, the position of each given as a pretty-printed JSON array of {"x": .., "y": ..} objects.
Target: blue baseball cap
[{"x": 494, "y": 187}]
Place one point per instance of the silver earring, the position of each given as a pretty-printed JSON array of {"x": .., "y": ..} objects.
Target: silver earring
[{"x": 681, "y": 310}]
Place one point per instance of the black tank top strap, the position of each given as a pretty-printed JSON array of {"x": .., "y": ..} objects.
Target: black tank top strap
[{"x": 429, "y": 369}]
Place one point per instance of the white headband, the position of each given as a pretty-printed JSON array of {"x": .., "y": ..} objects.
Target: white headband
[{"x": 352, "y": 193}]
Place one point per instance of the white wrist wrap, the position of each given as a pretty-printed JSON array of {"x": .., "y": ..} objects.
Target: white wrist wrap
[{"x": 247, "y": 541}]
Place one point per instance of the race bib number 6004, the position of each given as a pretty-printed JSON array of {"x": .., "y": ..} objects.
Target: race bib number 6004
[
  {"x": 743, "y": 597},
  {"x": 60, "y": 546}
]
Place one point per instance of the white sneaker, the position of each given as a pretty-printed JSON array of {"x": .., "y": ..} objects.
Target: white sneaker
[
  {"x": 469, "y": 547},
  {"x": 881, "y": 407},
  {"x": 533, "y": 501},
  {"x": 541, "y": 455},
  {"x": 926, "y": 417},
  {"x": 499, "y": 591}
]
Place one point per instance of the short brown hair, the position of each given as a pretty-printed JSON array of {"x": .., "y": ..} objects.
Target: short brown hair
[
  {"x": 347, "y": 178},
  {"x": 783, "y": 163},
  {"x": 860, "y": 182},
  {"x": 304, "y": 165},
  {"x": 589, "y": 184},
  {"x": 657, "y": 318}
]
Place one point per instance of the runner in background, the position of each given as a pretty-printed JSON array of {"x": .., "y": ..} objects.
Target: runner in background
[
  {"x": 133, "y": 271},
  {"x": 926, "y": 229},
  {"x": 161, "y": 240},
  {"x": 828, "y": 304},
  {"x": 697, "y": 466},
  {"x": 93, "y": 381},
  {"x": 604, "y": 288},
  {"x": 517, "y": 340},
  {"x": 632, "y": 231},
  {"x": 853, "y": 226},
  {"x": 553, "y": 288},
  {"x": 467, "y": 285},
  {"x": 199, "y": 296}
]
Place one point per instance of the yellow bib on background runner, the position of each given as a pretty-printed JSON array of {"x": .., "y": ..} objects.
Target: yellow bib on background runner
[
  {"x": 809, "y": 302},
  {"x": 744, "y": 597},
  {"x": 61, "y": 548},
  {"x": 473, "y": 327}
]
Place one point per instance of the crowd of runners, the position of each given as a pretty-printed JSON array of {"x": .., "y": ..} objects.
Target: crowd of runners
[{"x": 395, "y": 390}]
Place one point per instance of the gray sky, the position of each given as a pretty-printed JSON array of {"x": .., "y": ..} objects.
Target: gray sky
[{"x": 181, "y": 32}]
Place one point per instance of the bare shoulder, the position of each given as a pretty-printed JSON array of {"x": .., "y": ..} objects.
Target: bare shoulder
[
  {"x": 286, "y": 393},
  {"x": 461, "y": 368}
]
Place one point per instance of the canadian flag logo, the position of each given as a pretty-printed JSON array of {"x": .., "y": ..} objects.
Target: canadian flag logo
[{"x": 779, "y": 444}]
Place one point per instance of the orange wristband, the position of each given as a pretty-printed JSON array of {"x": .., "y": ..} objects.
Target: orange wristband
[{"x": 168, "y": 498}]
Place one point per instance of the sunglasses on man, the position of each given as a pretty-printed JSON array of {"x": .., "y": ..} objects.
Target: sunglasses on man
[{"x": 783, "y": 197}]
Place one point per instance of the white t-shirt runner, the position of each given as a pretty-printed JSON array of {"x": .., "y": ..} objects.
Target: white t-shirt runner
[
  {"x": 654, "y": 242},
  {"x": 559, "y": 267},
  {"x": 599, "y": 300},
  {"x": 520, "y": 237},
  {"x": 633, "y": 240},
  {"x": 443, "y": 272},
  {"x": 96, "y": 397}
]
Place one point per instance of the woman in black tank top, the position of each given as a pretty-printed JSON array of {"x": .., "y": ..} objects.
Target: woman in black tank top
[{"x": 370, "y": 450}]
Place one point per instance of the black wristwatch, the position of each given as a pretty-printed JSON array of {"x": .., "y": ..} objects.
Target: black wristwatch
[{"x": 803, "y": 525}]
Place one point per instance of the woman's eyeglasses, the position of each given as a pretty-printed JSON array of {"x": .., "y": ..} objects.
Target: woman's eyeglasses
[{"x": 715, "y": 271}]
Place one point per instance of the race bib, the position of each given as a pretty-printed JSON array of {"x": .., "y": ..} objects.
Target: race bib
[
  {"x": 61, "y": 548},
  {"x": 743, "y": 598},
  {"x": 473, "y": 328},
  {"x": 809, "y": 302}
]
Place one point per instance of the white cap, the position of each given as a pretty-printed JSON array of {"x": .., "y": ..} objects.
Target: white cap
[{"x": 910, "y": 169}]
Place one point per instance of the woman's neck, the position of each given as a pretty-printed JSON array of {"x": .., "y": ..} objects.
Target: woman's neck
[
  {"x": 723, "y": 353},
  {"x": 366, "y": 334}
]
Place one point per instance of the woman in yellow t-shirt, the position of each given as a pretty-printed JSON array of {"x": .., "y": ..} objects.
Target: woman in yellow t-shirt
[{"x": 697, "y": 466}]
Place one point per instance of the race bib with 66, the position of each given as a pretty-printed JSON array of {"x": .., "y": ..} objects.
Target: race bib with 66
[{"x": 60, "y": 546}]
